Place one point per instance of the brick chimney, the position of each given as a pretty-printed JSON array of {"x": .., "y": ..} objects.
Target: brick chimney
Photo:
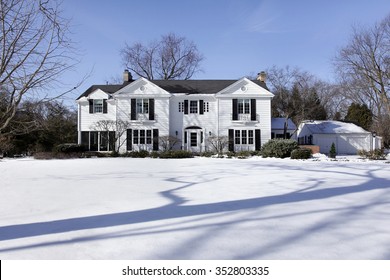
[
  {"x": 262, "y": 76},
  {"x": 127, "y": 77}
]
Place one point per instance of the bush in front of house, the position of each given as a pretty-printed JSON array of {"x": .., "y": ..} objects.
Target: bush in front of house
[
  {"x": 243, "y": 154},
  {"x": 377, "y": 154},
  {"x": 69, "y": 148},
  {"x": 301, "y": 153},
  {"x": 279, "y": 148},
  {"x": 137, "y": 154},
  {"x": 176, "y": 154},
  {"x": 207, "y": 154}
]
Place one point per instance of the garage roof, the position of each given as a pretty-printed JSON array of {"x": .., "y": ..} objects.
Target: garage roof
[{"x": 333, "y": 127}]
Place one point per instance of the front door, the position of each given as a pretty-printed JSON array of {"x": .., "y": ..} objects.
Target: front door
[
  {"x": 193, "y": 140},
  {"x": 194, "y": 145}
]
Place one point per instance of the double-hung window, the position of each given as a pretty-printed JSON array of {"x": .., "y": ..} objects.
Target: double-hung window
[
  {"x": 244, "y": 106},
  {"x": 98, "y": 105},
  {"x": 142, "y": 106},
  {"x": 193, "y": 106}
]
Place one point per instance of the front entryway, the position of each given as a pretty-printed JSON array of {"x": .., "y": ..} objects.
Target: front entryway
[{"x": 193, "y": 139}]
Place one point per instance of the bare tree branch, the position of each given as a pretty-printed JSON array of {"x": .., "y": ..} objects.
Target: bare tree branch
[
  {"x": 173, "y": 57},
  {"x": 35, "y": 50}
]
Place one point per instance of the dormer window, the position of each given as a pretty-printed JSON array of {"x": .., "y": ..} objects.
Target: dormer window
[{"x": 98, "y": 106}]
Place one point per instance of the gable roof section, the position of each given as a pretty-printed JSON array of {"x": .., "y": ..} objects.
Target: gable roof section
[
  {"x": 333, "y": 127},
  {"x": 247, "y": 87},
  {"x": 105, "y": 88},
  {"x": 177, "y": 86}
]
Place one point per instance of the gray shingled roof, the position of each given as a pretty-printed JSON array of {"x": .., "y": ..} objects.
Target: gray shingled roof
[{"x": 177, "y": 86}]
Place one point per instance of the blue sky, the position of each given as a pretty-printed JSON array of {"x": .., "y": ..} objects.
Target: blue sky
[{"x": 236, "y": 37}]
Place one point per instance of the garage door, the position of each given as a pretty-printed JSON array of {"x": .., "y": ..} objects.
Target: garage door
[{"x": 325, "y": 142}]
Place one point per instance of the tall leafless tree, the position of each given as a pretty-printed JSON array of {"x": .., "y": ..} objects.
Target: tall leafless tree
[
  {"x": 363, "y": 67},
  {"x": 173, "y": 57},
  {"x": 34, "y": 50}
]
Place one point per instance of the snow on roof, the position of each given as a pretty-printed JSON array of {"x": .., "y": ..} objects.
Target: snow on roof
[
  {"x": 278, "y": 123},
  {"x": 331, "y": 127}
]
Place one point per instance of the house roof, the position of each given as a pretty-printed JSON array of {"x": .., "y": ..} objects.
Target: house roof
[
  {"x": 278, "y": 123},
  {"x": 333, "y": 127},
  {"x": 176, "y": 86}
]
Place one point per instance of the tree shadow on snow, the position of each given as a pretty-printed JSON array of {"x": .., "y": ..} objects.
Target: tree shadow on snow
[{"x": 176, "y": 209}]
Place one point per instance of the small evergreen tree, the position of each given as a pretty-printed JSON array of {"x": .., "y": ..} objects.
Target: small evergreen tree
[{"x": 332, "y": 152}]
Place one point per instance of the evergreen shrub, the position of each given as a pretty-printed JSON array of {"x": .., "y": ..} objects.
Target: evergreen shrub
[
  {"x": 176, "y": 154},
  {"x": 301, "y": 153},
  {"x": 279, "y": 148},
  {"x": 332, "y": 152}
]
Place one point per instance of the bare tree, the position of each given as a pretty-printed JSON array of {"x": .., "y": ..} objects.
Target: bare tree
[
  {"x": 363, "y": 67},
  {"x": 35, "y": 50},
  {"x": 296, "y": 95},
  {"x": 218, "y": 144},
  {"x": 168, "y": 142},
  {"x": 119, "y": 127},
  {"x": 173, "y": 57}
]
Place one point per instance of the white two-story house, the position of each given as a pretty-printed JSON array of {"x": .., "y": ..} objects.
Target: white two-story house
[{"x": 141, "y": 114}]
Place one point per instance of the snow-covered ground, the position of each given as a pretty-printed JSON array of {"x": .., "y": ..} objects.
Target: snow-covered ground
[{"x": 201, "y": 208}]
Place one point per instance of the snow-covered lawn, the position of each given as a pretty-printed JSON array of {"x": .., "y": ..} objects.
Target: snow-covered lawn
[{"x": 201, "y": 208}]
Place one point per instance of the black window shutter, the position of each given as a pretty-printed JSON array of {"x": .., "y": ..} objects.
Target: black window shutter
[
  {"x": 133, "y": 114},
  {"x": 257, "y": 140},
  {"x": 253, "y": 109},
  {"x": 104, "y": 106},
  {"x": 90, "y": 106},
  {"x": 186, "y": 107},
  {"x": 231, "y": 140},
  {"x": 201, "y": 107},
  {"x": 151, "y": 109},
  {"x": 155, "y": 139},
  {"x": 129, "y": 139},
  {"x": 235, "y": 110}
]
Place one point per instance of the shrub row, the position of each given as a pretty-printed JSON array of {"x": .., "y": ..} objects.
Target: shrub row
[{"x": 377, "y": 154}]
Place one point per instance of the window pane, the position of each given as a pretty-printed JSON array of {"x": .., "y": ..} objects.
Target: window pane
[
  {"x": 240, "y": 106},
  {"x": 142, "y": 136},
  {"x": 146, "y": 106},
  {"x": 250, "y": 137},
  {"x": 98, "y": 105},
  {"x": 139, "y": 106},
  {"x": 194, "y": 139},
  {"x": 103, "y": 141},
  {"x": 135, "y": 136},
  {"x": 206, "y": 107},
  {"x": 193, "y": 107},
  {"x": 243, "y": 137},
  {"x": 148, "y": 136},
  {"x": 93, "y": 141},
  {"x": 247, "y": 106},
  {"x": 237, "y": 136}
]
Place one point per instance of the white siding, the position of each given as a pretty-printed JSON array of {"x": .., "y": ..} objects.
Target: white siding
[
  {"x": 170, "y": 122},
  {"x": 87, "y": 120}
]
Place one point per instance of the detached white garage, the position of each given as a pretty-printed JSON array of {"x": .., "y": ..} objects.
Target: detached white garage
[{"x": 347, "y": 137}]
